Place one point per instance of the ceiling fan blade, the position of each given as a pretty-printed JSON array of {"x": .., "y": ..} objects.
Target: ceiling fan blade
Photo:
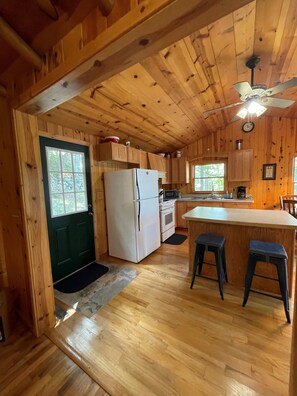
[
  {"x": 205, "y": 113},
  {"x": 244, "y": 89},
  {"x": 276, "y": 102},
  {"x": 281, "y": 87}
]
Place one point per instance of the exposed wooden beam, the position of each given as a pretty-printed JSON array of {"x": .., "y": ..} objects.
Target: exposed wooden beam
[
  {"x": 142, "y": 32},
  {"x": 9, "y": 35},
  {"x": 2, "y": 90},
  {"x": 106, "y": 6},
  {"x": 48, "y": 8}
]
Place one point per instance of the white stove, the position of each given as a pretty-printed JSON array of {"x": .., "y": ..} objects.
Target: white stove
[{"x": 167, "y": 218}]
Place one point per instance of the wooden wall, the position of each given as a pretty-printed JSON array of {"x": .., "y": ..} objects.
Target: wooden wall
[
  {"x": 13, "y": 262},
  {"x": 274, "y": 140}
]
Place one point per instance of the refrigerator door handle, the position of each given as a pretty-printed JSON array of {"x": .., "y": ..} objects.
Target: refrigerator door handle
[
  {"x": 137, "y": 185},
  {"x": 138, "y": 216}
]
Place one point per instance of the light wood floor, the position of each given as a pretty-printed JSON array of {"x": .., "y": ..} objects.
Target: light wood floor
[
  {"x": 158, "y": 337},
  {"x": 31, "y": 366}
]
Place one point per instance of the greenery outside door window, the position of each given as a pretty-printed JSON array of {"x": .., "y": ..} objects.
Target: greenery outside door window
[
  {"x": 67, "y": 182},
  {"x": 209, "y": 177}
]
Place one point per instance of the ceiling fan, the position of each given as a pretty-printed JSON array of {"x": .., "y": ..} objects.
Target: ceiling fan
[{"x": 255, "y": 98}]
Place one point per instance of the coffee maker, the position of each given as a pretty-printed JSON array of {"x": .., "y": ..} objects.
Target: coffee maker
[{"x": 241, "y": 192}]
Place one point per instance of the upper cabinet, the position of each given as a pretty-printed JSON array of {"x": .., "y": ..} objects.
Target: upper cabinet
[
  {"x": 240, "y": 165},
  {"x": 143, "y": 160},
  {"x": 160, "y": 164},
  {"x": 113, "y": 152},
  {"x": 133, "y": 155},
  {"x": 180, "y": 171}
]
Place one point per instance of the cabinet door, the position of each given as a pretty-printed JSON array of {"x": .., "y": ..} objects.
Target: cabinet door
[
  {"x": 143, "y": 160},
  {"x": 168, "y": 171},
  {"x": 181, "y": 208},
  {"x": 112, "y": 152},
  {"x": 119, "y": 152},
  {"x": 179, "y": 171},
  {"x": 239, "y": 165},
  {"x": 174, "y": 171},
  {"x": 133, "y": 155}
]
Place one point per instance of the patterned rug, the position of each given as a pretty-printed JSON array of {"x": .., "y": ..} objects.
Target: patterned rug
[{"x": 88, "y": 300}]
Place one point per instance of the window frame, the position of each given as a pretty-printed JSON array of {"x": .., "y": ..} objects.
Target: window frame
[
  {"x": 208, "y": 162},
  {"x": 47, "y": 150}
]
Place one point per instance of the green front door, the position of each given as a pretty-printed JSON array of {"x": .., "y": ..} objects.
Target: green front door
[{"x": 67, "y": 190}]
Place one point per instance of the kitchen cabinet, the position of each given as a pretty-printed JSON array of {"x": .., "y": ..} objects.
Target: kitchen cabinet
[
  {"x": 180, "y": 171},
  {"x": 160, "y": 164},
  {"x": 143, "y": 160},
  {"x": 133, "y": 155},
  {"x": 180, "y": 209},
  {"x": 240, "y": 165},
  {"x": 113, "y": 152}
]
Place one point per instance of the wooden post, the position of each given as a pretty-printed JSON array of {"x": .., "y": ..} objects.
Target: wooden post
[{"x": 9, "y": 35}]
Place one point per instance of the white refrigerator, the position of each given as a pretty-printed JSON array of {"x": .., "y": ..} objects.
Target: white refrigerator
[{"x": 132, "y": 210}]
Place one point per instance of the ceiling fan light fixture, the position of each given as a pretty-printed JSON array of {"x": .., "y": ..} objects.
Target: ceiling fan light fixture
[
  {"x": 256, "y": 108},
  {"x": 242, "y": 113}
]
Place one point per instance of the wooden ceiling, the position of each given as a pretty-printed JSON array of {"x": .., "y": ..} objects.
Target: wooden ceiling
[{"x": 158, "y": 104}]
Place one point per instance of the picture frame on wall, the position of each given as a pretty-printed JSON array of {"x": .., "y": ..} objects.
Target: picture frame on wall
[{"x": 269, "y": 172}]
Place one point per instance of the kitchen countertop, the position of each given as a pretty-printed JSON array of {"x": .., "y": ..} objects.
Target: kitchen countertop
[
  {"x": 198, "y": 199},
  {"x": 244, "y": 217}
]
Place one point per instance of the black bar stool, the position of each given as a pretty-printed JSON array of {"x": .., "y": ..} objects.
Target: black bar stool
[
  {"x": 212, "y": 243},
  {"x": 273, "y": 253}
]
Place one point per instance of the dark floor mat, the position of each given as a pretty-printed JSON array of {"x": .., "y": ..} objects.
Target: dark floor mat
[
  {"x": 176, "y": 239},
  {"x": 81, "y": 279}
]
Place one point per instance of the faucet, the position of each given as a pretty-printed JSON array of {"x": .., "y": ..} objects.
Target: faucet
[{"x": 212, "y": 191}]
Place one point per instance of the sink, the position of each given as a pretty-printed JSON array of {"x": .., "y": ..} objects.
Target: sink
[{"x": 213, "y": 198}]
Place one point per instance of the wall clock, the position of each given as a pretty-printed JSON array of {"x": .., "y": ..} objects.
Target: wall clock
[{"x": 248, "y": 126}]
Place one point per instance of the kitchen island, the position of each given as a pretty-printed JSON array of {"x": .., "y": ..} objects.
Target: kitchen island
[{"x": 239, "y": 226}]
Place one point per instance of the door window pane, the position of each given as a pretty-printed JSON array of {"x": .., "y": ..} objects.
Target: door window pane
[
  {"x": 80, "y": 201},
  {"x": 56, "y": 182},
  {"x": 57, "y": 204},
  {"x": 67, "y": 181},
  {"x": 53, "y": 160},
  {"x": 79, "y": 182},
  {"x": 69, "y": 203},
  {"x": 78, "y": 162},
  {"x": 66, "y": 161}
]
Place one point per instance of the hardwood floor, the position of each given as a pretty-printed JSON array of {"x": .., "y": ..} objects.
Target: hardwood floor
[
  {"x": 35, "y": 366},
  {"x": 158, "y": 337}
]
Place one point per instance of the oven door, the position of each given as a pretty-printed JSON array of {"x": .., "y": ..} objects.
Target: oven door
[{"x": 167, "y": 219}]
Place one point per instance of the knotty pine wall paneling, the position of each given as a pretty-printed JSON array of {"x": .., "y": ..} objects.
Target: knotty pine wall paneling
[
  {"x": 35, "y": 225},
  {"x": 13, "y": 261},
  {"x": 274, "y": 140}
]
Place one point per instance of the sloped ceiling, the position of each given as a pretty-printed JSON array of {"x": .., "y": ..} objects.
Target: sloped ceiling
[{"x": 159, "y": 103}]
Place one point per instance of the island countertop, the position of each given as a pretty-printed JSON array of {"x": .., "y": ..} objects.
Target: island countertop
[{"x": 243, "y": 217}]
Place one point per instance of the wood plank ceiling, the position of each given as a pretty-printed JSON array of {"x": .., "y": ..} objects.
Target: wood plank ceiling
[{"x": 158, "y": 104}]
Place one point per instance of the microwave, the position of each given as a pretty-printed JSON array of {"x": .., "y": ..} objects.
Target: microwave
[{"x": 170, "y": 194}]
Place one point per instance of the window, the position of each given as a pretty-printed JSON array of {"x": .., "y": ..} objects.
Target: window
[
  {"x": 67, "y": 182},
  {"x": 209, "y": 177}
]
